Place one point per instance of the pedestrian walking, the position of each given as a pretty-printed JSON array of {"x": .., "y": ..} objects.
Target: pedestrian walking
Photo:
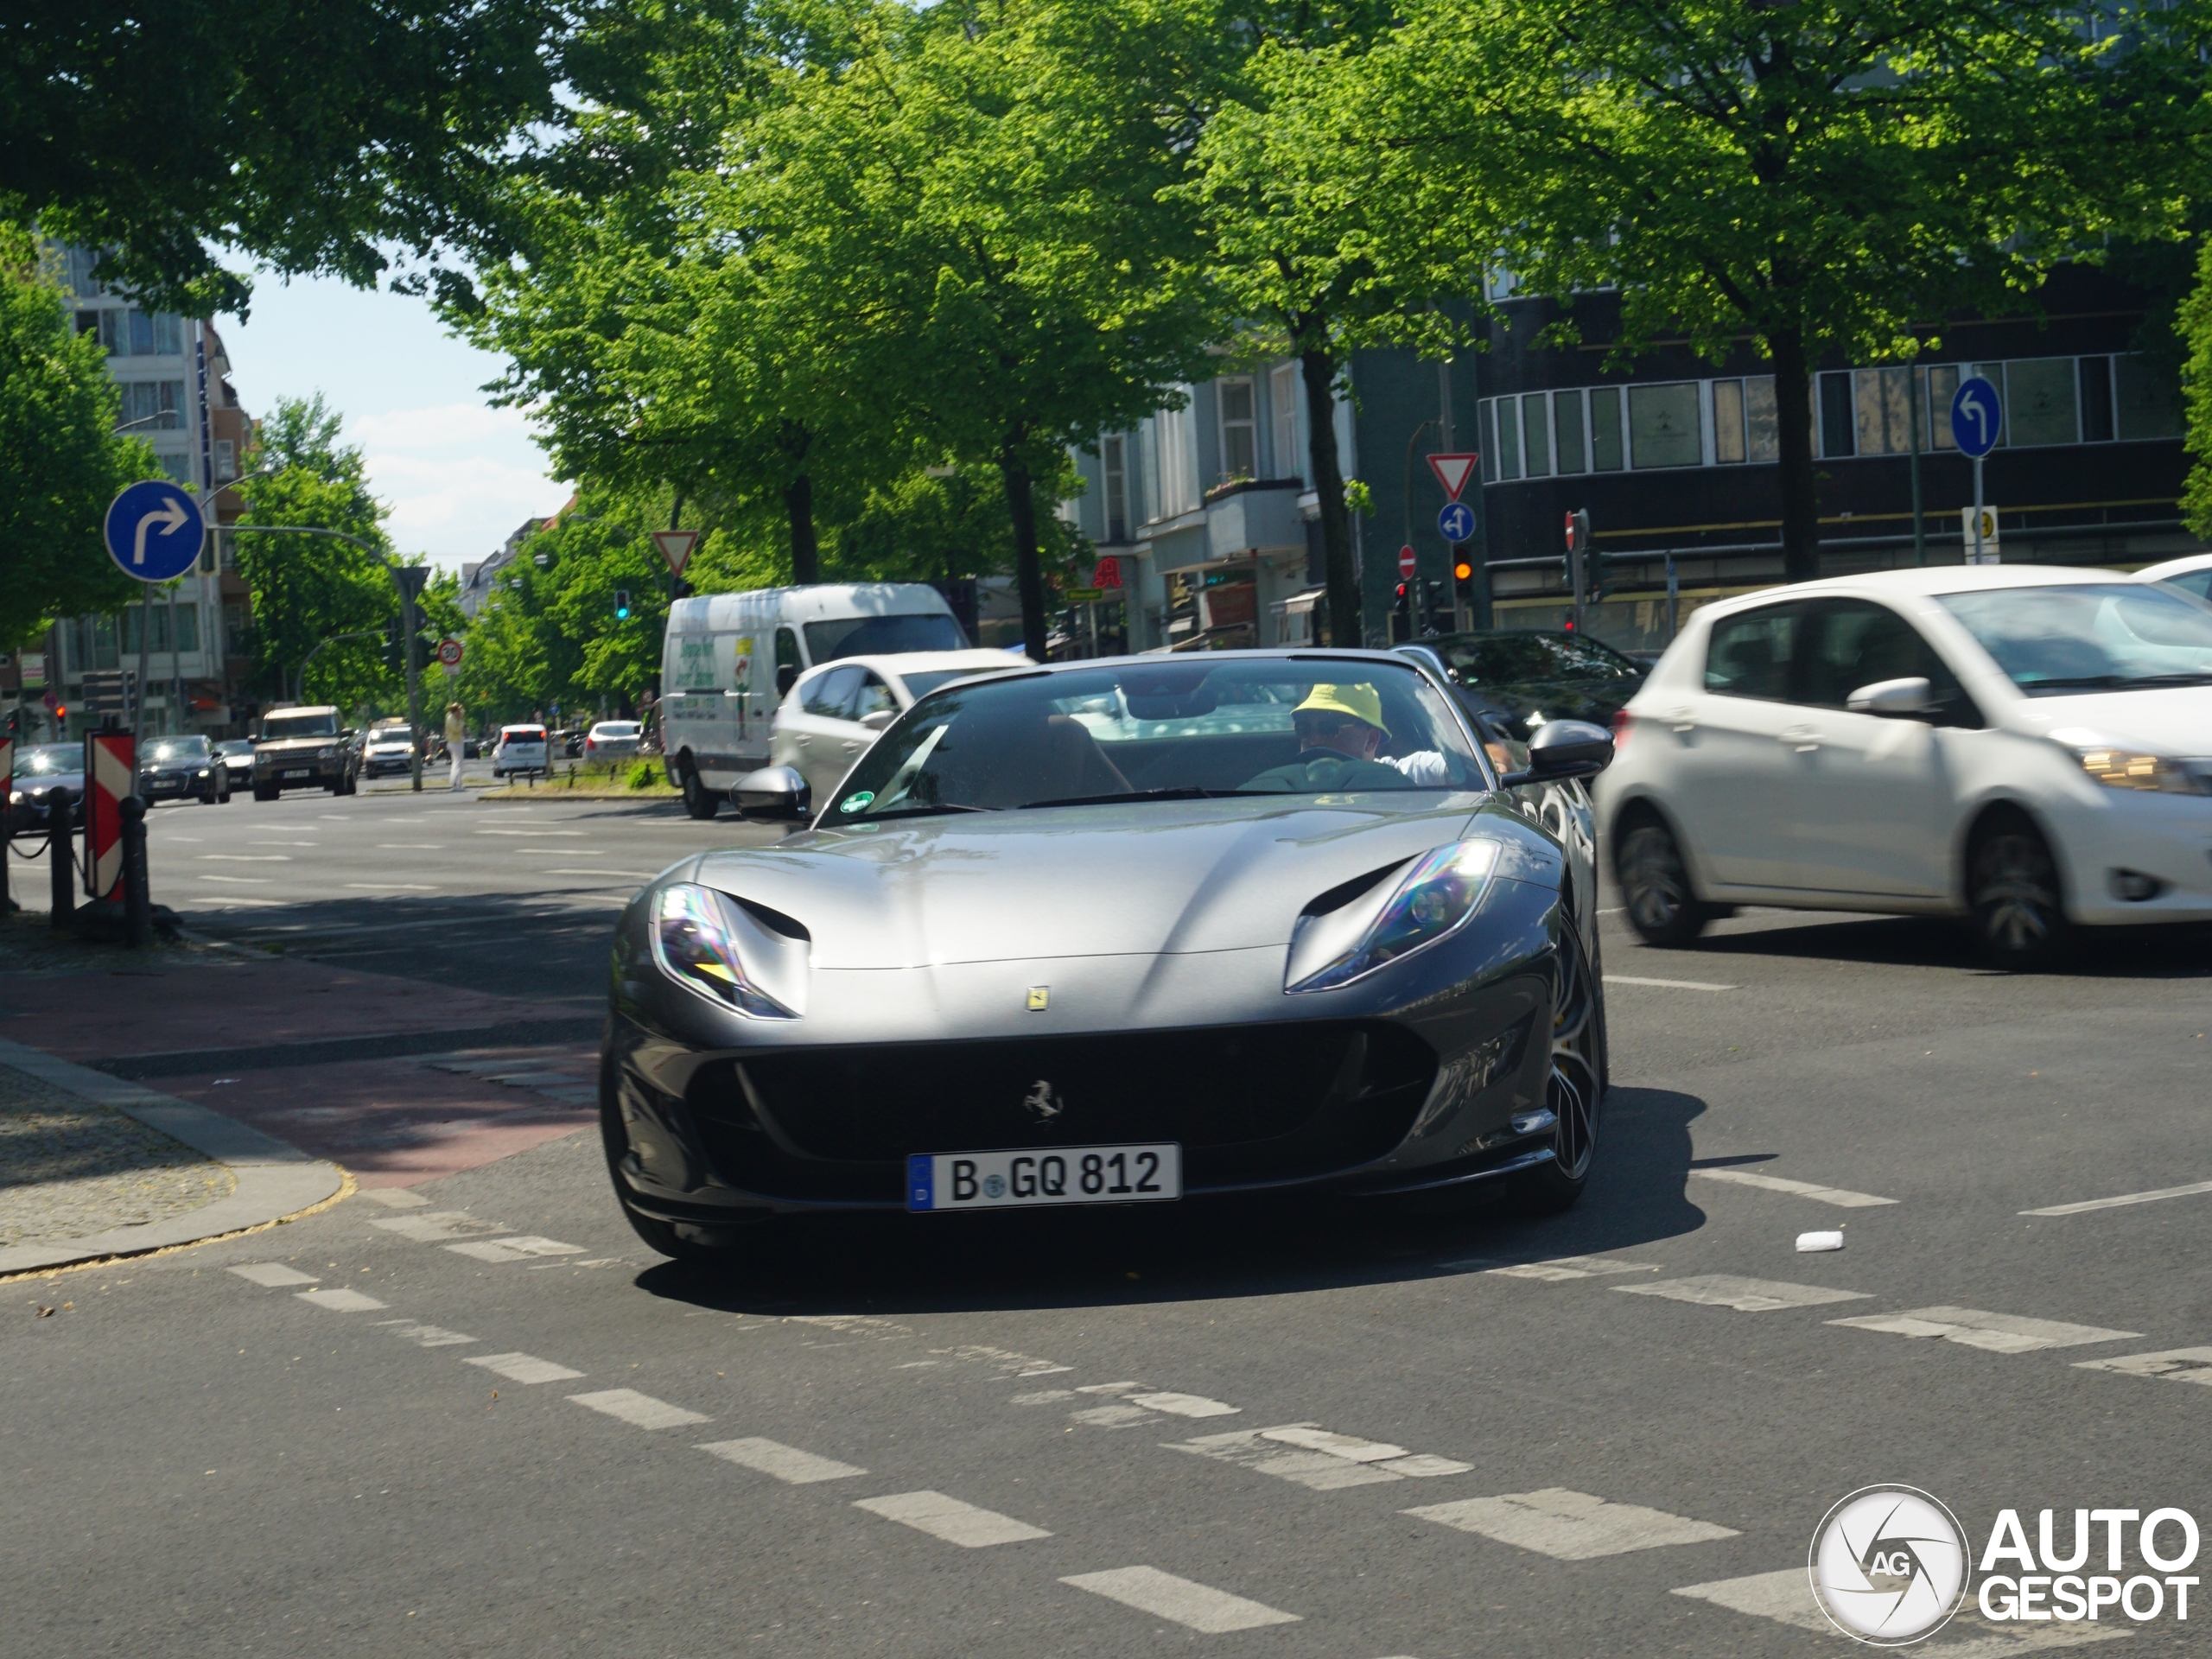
[{"x": 457, "y": 742}]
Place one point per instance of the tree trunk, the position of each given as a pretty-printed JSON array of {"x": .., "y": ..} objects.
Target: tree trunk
[
  {"x": 806, "y": 552},
  {"x": 1801, "y": 501},
  {"x": 1319, "y": 371},
  {"x": 1029, "y": 575}
]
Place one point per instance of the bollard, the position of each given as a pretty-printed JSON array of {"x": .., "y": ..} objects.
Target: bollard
[
  {"x": 58, "y": 806},
  {"x": 137, "y": 901}
]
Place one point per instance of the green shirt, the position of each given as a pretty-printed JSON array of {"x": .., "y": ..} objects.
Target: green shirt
[{"x": 1324, "y": 771}]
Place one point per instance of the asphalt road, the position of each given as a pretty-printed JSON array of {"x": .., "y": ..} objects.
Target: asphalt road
[{"x": 1110, "y": 1434}]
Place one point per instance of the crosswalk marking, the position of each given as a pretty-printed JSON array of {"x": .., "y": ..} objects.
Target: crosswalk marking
[
  {"x": 951, "y": 1520},
  {"x": 1183, "y": 1405},
  {"x": 1571, "y": 1526},
  {"x": 2087, "y": 1204},
  {"x": 1786, "y": 1597},
  {"x": 523, "y": 1368},
  {"x": 2000, "y": 1334},
  {"x": 273, "y": 1275},
  {"x": 1559, "y": 1268},
  {"x": 1745, "y": 1295},
  {"x": 1197, "y": 1607},
  {"x": 1309, "y": 1455},
  {"x": 424, "y": 1335},
  {"x": 515, "y": 1249},
  {"x": 641, "y": 1410},
  {"x": 786, "y": 1462},
  {"x": 342, "y": 1301},
  {"x": 438, "y": 1226},
  {"x": 2175, "y": 1364},
  {"x": 1841, "y": 1198}
]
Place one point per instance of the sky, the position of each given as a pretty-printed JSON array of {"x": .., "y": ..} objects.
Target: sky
[{"x": 458, "y": 475}]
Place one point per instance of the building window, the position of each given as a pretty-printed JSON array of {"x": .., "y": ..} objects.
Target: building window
[
  {"x": 1883, "y": 399},
  {"x": 2148, "y": 398},
  {"x": 1240, "y": 453},
  {"x": 1566, "y": 421},
  {"x": 1662, "y": 426},
  {"x": 1178, "y": 463},
  {"x": 1282, "y": 394},
  {"x": 226, "y": 459},
  {"x": 179, "y": 467},
  {"x": 1605, "y": 453},
  {"x": 1508, "y": 437},
  {"x": 1537, "y": 433},
  {"x": 1762, "y": 427},
  {"x": 233, "y": 628},
  {"x": 1727, "y": 423},
  {"x": 2096, "y": 399},
  {"x": 1118, "y": 486},
  {"x": 153, "y": 405},
  {"x": 1835, "y": 412},
  {"x": 2039, "y": 401},
  {"x": 1486, "y": 424}
]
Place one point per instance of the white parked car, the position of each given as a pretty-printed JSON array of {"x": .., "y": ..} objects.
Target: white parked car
[
  {"x": 612, "y": 738},
  {"x": 2192, "y": 574},
  {"x": 2029, "y": 748},
  {"x": 519, "y": 749},
  {"x": 833, "y": 713}
]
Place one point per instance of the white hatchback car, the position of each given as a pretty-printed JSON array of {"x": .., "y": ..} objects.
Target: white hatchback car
[
  {"x": 519, "y": 749},
  {"x": 612, "y": 738},
  {"x": 2030, "y": 748},
  {"x": 836, "y": 710}
]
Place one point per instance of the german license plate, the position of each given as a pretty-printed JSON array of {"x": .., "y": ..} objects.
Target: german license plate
[
  {"x": 297, "y": 772},
  {"x": 1019, "y": 1180}
]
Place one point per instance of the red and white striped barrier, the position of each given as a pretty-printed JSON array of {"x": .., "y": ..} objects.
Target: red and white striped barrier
[{"x": 111, "y": 773}]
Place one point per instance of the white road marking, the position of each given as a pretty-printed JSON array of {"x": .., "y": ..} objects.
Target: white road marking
[
  {"x": 273, "y": 1274},
  {"x": 1318, "y": 1459},
  {"x": 1669, "y": 984},
  {"x": 524, "y": 1367},
  {"x": 2190, "y": 1190},
  {"x": 1042, "y": 1397},
  {"x": 438, "y": 1226},
  {"x": 2175, "y": 1364},
  {"x": 1571, "y": 1526},
  {"x": 786, "y": 1462},
  {"x": 533, "y": 834},
  {"x": 395, "y": 1198},
  {"x": 425, "y": 1336},
  {"x": 411, "y": 846},
  {"x": 286, "y": 843},
  {"x": 1350, "y": 1447},
  {"x": 641, "y": 1410},
  {"x": 1114, "y": 1416},
  {"x": 1744, "y": 1296},
  {"x": 1197, "y": 1607},
  {"x": 1182, "y": 1405},
  {"x": 1786, "y": 1597},
  {"x": 2000, "y": 1334},
  {"x": 342, "y": 1301},
  {"x": 390, "y": 886},
  {"x": 247, "y": 858},
  {"x": 240, "y": 880},
  {"x": 516, "y": 1250},
  {"x": 951, "y": 1520},
  {"x": 1559, "y": 1268},
  {"x": 1842, "y": 1198}
]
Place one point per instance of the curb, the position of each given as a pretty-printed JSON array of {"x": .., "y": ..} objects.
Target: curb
[{"x": 275, "y": 1182}]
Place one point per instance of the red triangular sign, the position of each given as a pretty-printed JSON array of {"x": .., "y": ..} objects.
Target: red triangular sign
[
  {"x": 1451, "y": 471},
  {"x": 676, "y": 547}
]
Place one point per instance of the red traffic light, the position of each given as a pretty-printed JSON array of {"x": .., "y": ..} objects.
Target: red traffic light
[{"x": 1463, "y": 570}]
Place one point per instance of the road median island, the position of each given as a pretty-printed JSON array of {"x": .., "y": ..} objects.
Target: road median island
[{"x": 92, "y": 1168}]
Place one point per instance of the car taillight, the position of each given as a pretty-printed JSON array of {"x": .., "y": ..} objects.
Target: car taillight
[{"x": 1622, "y": 720}]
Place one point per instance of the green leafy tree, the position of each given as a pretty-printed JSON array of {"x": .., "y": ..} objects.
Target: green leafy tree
[
  {"x": 58, "y": 414},
  {"x": 1818, "y": 177},
  {"x": 2195, "y": 321}
]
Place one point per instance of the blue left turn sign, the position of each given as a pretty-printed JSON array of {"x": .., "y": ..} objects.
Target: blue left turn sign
[
  {"x": 155, "y": 530},
  {"x": 1456, "y": 523}
]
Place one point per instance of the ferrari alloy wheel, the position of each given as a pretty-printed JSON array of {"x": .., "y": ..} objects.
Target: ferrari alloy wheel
[
  {"x": 1661, "y": 907},
  {"x": 1576, "y": 1089},
  {"x": 2012, "y": 886}
]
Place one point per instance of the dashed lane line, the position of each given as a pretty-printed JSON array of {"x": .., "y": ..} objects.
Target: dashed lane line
[
  {"x": 1669, "y": 984},
  {"x": 424, "y": 1335},
  {"x": 785, "y": 1462},
  {"x": 1557, "y": 1270},
  {"x": 1196, "y": 1606},
  {"x": 272, "y": 1274},
  {"x": 439, "y": 1227},
  {"x": 1999, "y": 1333},
  {"x": 2125, "y": 1198},
  {"x": 515, "y": 1249},
  {"x": 951, "y": 1520},
  {"x": 1311, "y": 1456},
  {"x": 639, "y": 1410},
  {"x": 1744, "y": 1296},
  {"x": 1842, "y": 1198},
  {"x": 525, "y": 1368},
  {"x": 341, "y": 1302},
  {"x": 2175, "y": 1364},
  {"x": 1571, "y": 1526}
]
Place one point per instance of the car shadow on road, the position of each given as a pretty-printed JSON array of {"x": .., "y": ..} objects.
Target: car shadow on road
[
  {"x": 2179, "y": 951},
  {"x": 1129, "y": 1256}
]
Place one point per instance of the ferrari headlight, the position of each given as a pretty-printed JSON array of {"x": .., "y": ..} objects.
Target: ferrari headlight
[
  {"x": 2125, "y": 769},
  {"x": 1433, "y": 899},
  {"x": 695, "y": 936}
]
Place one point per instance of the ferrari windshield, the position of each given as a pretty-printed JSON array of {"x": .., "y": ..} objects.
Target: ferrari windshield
[{"x": 1142, "y": 730}]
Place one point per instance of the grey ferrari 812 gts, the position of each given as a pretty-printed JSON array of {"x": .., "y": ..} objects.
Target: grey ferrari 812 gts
[{"x": 1153, "y": 930}]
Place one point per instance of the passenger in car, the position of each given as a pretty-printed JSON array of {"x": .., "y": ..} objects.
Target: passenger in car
[{"x": 1340, "y": 730}]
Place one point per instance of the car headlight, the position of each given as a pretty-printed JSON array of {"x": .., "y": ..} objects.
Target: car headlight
[
  {"x": 697, "y": 939},
  {"x": 2128, "y": 769},
  {"x": 1433, "y": 900}
]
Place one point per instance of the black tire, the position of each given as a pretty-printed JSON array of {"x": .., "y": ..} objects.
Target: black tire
[
  {"x": 1662, "y": 906},
  {"x": 1576, "y": 1092},
  {"x": 658, "y": 1236},
  {"x": 265, "y": 792},
  {"x": 699, "y": 801},
  {"x": 2015, "y": 895}
]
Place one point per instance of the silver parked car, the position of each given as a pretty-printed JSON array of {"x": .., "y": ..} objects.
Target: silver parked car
[{"x": 1118, "y": 932}]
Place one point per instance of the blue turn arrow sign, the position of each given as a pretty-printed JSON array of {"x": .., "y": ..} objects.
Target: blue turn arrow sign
[
  {"x": 1976, "y": 417},
  {"x": 1456, "y": 523},
  {"x": 153, "y": 530}
]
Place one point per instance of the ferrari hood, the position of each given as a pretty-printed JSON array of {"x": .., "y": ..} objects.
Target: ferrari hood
[{"x": 1151, "y": 878}]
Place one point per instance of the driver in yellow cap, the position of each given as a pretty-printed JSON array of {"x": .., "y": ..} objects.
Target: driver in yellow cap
[{"x": 1340, "y": 731}]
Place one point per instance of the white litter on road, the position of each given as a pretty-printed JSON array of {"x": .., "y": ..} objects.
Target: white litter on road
[
  {"x": 786, "y": 1462},
  {"x": 2000, "y": 1334},
  {"x": 951, "y": 1520},
  {"x": 1571, "y": 1526},
  {"x": 1744, "y": 1296},
  {"x": 1197, "y": 1606},
  {"x": 1808, "y": 1242},
  {"x": 1841, "y": 1198}
]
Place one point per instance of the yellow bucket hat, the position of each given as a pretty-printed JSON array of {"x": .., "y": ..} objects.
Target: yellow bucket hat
[{"x": 1362, "y": 702}]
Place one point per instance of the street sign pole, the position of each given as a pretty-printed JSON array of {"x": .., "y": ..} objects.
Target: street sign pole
[
  {"x": 409, "y": 579},
  {"x": 1977, "y": 509}
]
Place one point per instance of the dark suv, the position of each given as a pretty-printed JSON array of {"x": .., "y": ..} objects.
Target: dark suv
[{"x": 303, "y": 748}]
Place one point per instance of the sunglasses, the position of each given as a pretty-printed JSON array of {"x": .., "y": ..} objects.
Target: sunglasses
[{"x": 1332, "y": 725}]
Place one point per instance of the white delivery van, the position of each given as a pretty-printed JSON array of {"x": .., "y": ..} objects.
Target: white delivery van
[{"x": 729, "y": 658}]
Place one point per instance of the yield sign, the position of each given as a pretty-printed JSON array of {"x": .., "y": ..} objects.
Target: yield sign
[
  {"x": 1451, "y": 471},
  {"x": 676, "y": 547}
]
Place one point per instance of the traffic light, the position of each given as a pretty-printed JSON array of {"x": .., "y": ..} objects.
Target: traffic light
[
  {"x": 1463, "y": 588},
  {"x": 1583, "y": 571},
  {"x": 621, "y": 604}
]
